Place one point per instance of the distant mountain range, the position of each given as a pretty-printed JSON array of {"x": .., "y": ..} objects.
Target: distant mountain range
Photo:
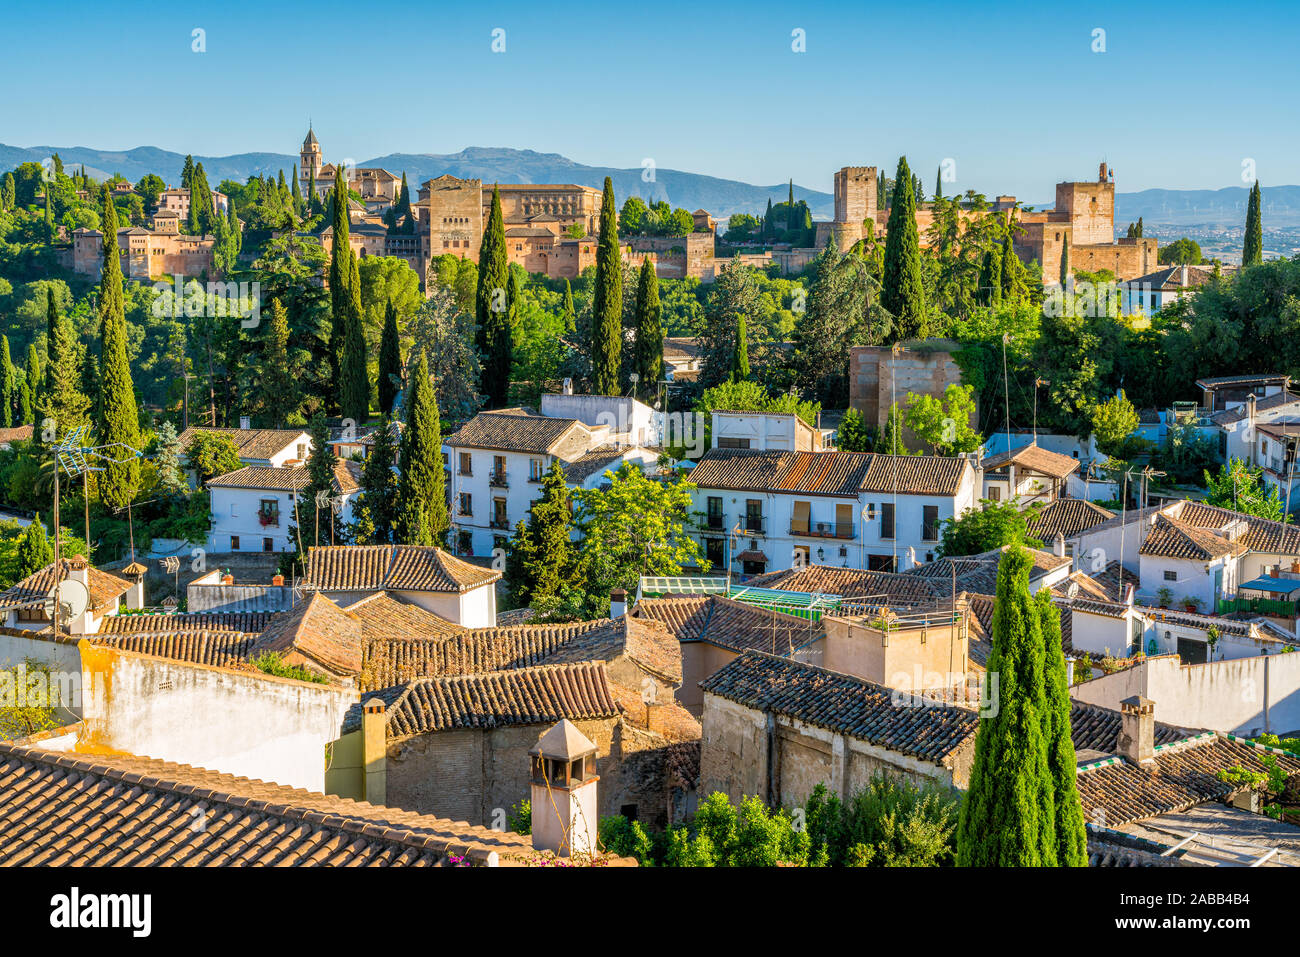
[
  {"x": 1208, "y": 208},
  {"x": 721, "y": 197}
]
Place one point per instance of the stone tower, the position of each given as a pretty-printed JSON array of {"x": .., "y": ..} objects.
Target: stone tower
[
  {"x": 855, "y": 202},
  {"x": 310, "y": 158}
]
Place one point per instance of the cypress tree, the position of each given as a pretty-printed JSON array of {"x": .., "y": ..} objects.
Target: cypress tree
[
  {"x": 1070, "y": 834},
  {"x": 649, "y": 331},
  {"x": 354, "y": 392},
  {"x": 376, "y": 506},
  {"x": 1065, "y": 261},
  {"x": 491, "y": 307},
  {"x": 990, "y": 279},
  {"x": 35, "y": 374},
  {"x": 320, "y": 472},
  {"x": 542, "y": 560},
  {"x": 740, "y": 354},
  {"x": 61, "y": 397},
  {"x": 607, "y": 302},
  {"x": 119, "y": 420},
  {"x": 236, "y": 232},
  {"x": 1138, "y": 232},
  {"x": 280, "y": 389},
  {"x": 938, "y": 183},
  {"x": 422, "y": 487},
  {"x": 340, "y": 280},
  {"x": 1007, "y": 815},
  {"x": 187, "y": 173},
  {"x": 390, "y": 361},
  {"x": 1252, "y": 250},
  {"x": 298, "y": 206},
  {"x": 8, "y": 192},
  {"x": 903, "y": 292},
  {"x": 1010, "y": 268},
  {"x": 790, "y": 222},
  {"x": 767, "y": 219},
  {"x": 8, "y": 384},
  {"x": 49, "y": 213},
  {"x": 570, "y": 316},
  {"x": 313, "y": 200},
  {"x": 25, "y": 403}
]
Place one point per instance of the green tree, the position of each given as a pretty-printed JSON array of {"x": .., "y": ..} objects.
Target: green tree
[
  {"x": 61, "y": 398},
  {"x": 1071, "y": 836},
  {"x": 990, "y": 278},
  {"x": 210, "y": 454},
  {"x": 40, "y": 706},
  {"x": 607, "y": 302},
  {"x": 8, "y": 384},
  {"x": 1184, "y": 251},
  {"x": 1240, "y": 487},
  {"x": 119, "y": 420},
  {"x": 903, "y": 290},
  {"x": 891, "y": 434},
  {"x": 649, "y": 331},
  {"x": 375, "y": 510},
  {"x": 35, "y": 375},
  {"x": 167, "y": 460},
  {"x": 570, "y": 316},
  {"x": 340, "y": 281},
  {"x": 390, "y": 361},
  {"x": 945, "y": 425},
  {"x": 1008, "y": 816},
  {"x": 321, "y": 463},
  {"x": 354, "y": 393},
  {"x": 1252, "y": 249},
  {"x": 740, "y": 354},
  {"x": 421, "y": 492},
  {"x": 278, "y": 390},
  {"x": 734, "y": 294},
  {"x": 852, "y": 435},
  {"x": 34, "y": 550},
  {"x": 1113, "y": 421},
  {"x": 1065, "y": 263},
  {"x": 990, "y": 526},
  {"x": 491, "y": 308},
  {"x": 544, "y": 566}
]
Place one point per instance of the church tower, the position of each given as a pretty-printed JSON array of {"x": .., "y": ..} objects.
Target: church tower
[{"x": 311, "y": 161}]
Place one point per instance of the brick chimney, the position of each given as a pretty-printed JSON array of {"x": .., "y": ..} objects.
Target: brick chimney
[
  {"x": 374, "y": 751},
  {"x": 1137, "y": 730}
]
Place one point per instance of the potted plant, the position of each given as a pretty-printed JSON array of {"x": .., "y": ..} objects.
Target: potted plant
[
  {"x": 1165, "y": 596},
  {"x": 1192, "y": 603}
]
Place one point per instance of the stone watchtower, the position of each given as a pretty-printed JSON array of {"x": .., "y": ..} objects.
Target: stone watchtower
[
  {"x": 564, "y": 791},
  {"x": 855, "y": 202},
  {"x": 311, "y": 160}
]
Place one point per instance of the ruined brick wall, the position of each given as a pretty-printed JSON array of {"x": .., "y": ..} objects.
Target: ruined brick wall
[{"x": 872, "y": 371}]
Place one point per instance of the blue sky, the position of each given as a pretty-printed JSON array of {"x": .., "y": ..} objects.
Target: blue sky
[{"x": 1012, "y": 92}]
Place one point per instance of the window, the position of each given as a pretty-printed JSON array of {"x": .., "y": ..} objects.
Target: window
[
  {"x": 715, "y": 512},
  {"x": 1171, "y": 576},
  {"x": 534, "y": 470},
  {"x": 995, "y": 493},
  {"x": 799, "y": 519},
  {"x": 930, "y": 523},
  {"x": 754, "y": 515},
  {"x": 268, "y": 544},
  {"x": 466, "y": 503},
  {"x": 465, "y": 463},
  {"x": 234, "y": 543},
  {"x": 886, "y": 519},
  {"x": 729, "y": 443}
]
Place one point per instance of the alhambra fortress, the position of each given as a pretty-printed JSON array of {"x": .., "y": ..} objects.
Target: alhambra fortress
[{"x": 552, "y": 229}]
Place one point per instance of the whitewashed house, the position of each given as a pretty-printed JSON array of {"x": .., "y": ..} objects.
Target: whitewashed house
[
  {"x": 22, "y": 605},
  {"x": 497, "y": 460},
  {"x": 268, "y": 448},
  {"x": 758, "y": 511},
  {"x": 1027, "y": 474},
  {"x": 764, "y": 432},
  {"x": 253, "y": 507}
]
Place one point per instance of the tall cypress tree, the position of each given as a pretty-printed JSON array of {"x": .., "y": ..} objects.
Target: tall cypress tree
[
  {"x": 990, "y": 278},
  {"x": 376, "y": 507},
  {"x": 8, "y": 384},
  {"x": 1010, "y": 269},
  {"x": 542, "y": 560},
  {"x": 607, "y": 302},
  {"x": 1008, "y": 813},
  {"x": 1065, "y": 261},
  {"x": 740, "y": 354},
  {"x": 570, "y": 316},
  {"x": 649, "y": 331},
  {"x": 35, "y": 374},
  {"x": 340, "y": 280},
  {"x": 320, "y": 473},
  {"x": 298, "y": 205},
  {"x": 280, "y": 390},
  {"x": 938, "y": 183},
  {"x": 1252, "y": 250},
  {"x": 119, "y": 420},
  {"x": 61, "y": 398},
  {"x": 390, "y": 361},
  {"x": 354, "y": 394},
  {"x": 1068, "y": 828},
  {"x": 491, "y": 307},
  {"x": 903, "y": 292},
  {"x": 422, "y": 487}
]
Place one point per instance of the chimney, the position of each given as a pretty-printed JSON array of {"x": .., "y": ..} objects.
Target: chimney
[
  {"x": 617, "y": 603},
  {"x": 1058, "y": 545},
  {"x": 908, "y": 561},
  {"x": 563, "y": 791},
  {"x": 79, "y": 570},
  {"x": 1137, "y": 730},
  {"x": 1250, "y": 411},
  {"x": 567, "y": 388},
  {"x": 374, "y": 751},
  {"x": 245, "y": 423}
]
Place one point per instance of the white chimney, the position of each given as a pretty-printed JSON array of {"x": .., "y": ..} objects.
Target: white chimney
[
  {"x": 1058, "y": 546},
  {"x": 563, "y": 791},
  {"x": 567, "y": 387},
  {"x": 909, "y": 559},
  {"x": 245, "y": 422},
  {"x": 617, "y": 603}
]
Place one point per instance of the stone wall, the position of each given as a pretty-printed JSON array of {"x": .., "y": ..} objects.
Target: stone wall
[{"x": 873, "y": 372}]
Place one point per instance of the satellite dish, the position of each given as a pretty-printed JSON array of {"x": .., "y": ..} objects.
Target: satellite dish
[{"x": 74, "y": 599}]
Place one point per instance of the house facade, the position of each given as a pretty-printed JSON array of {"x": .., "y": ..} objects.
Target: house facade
[{"x": 253, "y": 508}]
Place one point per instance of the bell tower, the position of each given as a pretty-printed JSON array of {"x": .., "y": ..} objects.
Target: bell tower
[{"x": 310, "y": 157}]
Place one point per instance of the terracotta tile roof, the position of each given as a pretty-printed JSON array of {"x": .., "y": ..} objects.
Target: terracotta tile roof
[
  {"x": 1261, "y": 534},
  {"x": 980, "y": 643},
  {"x": 392, "y": 567},
  {"x": 844, "y": 704},
  {"x": 347, "y": 478},
  {"x": 259, "y": 444},
  {"x": 539, "y": 695},
  {"x": 317, "y": 629},
  {"x": 1119, "y": 792},
  {"x": 522, "y": 430},
  {"x": 1036, "y": 459},
  {"x": 104, "y": 588},
  {"x": 61, "y": 809},
  {"x": 1275, "y": 401},
  {"x": 1110, "y": 848},
  {"x": 385, "y": 617},
  {"x": 216, "y": 648},
  {"x": 592, "y": 463},
  {"x": 1067, "y": 517},
  {"x": 730, "y": 624},
  {"x": 645, "y": 641},
  {"x": 19, "y": 433},
  {"x": 1093, "y": 728},
  {"x": 393, "y": 662},
  {"x": 849, "y": 583},
  {"x": 1173, "y": 539},
  {"x": 979, "y": 573},
  {"x": 250, "y": 622},
  {"x": 840, "y": 474}
]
